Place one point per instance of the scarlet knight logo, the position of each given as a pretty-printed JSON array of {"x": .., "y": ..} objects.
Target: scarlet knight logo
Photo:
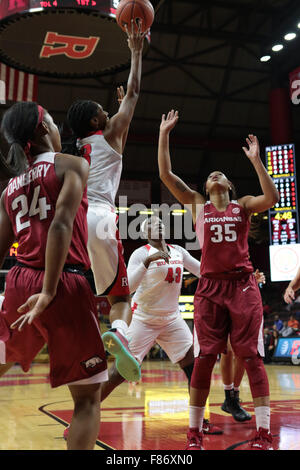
[{"x": 74, "y": 47}]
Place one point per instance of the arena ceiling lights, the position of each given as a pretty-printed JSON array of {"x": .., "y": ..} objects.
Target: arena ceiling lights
[{"x": 279, "y": 46}]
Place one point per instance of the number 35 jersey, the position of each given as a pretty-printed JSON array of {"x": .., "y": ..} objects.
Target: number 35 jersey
[
  {"x": 223, "y": 238},
  {"x": 30, "y": 202},
  {"x": 157, "y": 288}
]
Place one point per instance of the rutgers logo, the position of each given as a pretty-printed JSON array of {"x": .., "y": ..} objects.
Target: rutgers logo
[{"x": 74, "y": 47}]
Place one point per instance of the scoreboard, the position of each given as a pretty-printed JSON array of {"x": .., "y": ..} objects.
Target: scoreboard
[
  {"x": 10, "y": 7},
  {"x": 283, "y": 217}
]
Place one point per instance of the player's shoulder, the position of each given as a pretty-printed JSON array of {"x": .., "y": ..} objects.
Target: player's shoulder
[{"x": 177, "y": 248}]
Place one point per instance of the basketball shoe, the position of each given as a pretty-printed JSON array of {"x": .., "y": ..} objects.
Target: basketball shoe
[
  {"x": 209, "y": 428},
  {"x": 194, "y": 440},
  {"x": 233, "y": 406},
  {"x": 262, "y": 440},
  {"x": 117, "y": 345}
]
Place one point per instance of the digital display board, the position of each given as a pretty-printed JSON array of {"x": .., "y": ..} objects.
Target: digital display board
[
  {"x": 283, "y": 217},
  {"x": 186, "y": 306},
  {"x": 288, "y": 348},
  {"x": 12, "y": 7}
]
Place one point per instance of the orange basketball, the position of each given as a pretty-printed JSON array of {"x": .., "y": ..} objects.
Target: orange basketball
[{"x": 137, "y": 10}]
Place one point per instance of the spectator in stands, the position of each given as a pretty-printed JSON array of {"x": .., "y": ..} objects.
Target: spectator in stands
[
  {"x": 266, "y": 308},
  {"x": 278, "y": 324},
  {"x": 274, "y": 335},
  {"x": 286, "y": 330},
  {"x": 293, "y": 323},
  {"x": 267, "y": 343}
]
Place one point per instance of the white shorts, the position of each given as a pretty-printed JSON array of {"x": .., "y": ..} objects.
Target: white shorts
[
  {"x": 106, "y": 252},
  {"x": 175, "y": 338}
]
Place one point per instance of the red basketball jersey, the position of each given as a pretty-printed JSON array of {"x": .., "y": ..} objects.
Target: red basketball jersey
[
  {"x": 30, "y": 202},
  {"x": 223, "y": 237}
]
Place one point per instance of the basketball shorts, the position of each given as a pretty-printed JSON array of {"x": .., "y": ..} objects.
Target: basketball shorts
[
  {"x": 175, "y": 338},
  {"x": 69, "y": 326},
  {"x": 106, "y": 252},
  {"x": 231, "y": 308}
]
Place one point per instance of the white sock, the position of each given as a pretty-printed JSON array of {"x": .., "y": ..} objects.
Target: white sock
[
  {"x": 262, "y": 415},
  {"x": 121, "y": 326},
  {"x": 196, "y": 416},
  {"x": 228, "y": 387},
  {"x": 236, "y": 389}
]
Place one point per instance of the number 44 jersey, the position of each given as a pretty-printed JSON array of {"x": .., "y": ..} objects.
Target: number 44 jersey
[
  {"x": 223, "y": 238},
  {"x": 30, "y": 202}
]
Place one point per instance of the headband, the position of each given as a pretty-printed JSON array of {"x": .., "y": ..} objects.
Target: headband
[{"x": 41, "y": 113}]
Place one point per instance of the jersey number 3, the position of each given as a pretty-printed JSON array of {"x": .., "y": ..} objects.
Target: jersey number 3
[
  {"x": 37, "y": 206},
  {"x": 173, "y": 276}
]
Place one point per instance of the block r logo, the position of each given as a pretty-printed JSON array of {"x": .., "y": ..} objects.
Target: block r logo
[{"x": 74, "y": 47}]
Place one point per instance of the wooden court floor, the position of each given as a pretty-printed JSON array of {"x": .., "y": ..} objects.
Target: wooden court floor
[{"x": 151, "y": 415}]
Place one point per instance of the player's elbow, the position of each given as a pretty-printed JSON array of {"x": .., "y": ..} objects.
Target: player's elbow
[{"x": 165, "y": 175}]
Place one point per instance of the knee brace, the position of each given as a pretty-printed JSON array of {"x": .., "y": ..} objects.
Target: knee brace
[
  {"x": 258, "y": 379},
  {"x": 203, "y": 367}
]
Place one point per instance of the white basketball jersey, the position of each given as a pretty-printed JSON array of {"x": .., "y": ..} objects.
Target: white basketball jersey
[
  {"x": 160, "y": 286},
  {"x": 105, "y": 169}
]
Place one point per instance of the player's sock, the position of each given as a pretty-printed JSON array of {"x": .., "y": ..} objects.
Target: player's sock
[
  {"x": 196, "y": 414},
  {"x": 262, "y": 416},
  {"x": 227, "y": 387},
  {"x": 121, "y": 326}
]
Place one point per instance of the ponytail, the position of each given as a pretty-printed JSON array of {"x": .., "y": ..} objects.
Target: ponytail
[{"x": 18, "y": 126}]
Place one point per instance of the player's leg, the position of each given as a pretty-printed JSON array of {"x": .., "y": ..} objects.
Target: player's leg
[
  {"x": 210, "y": 338},
  {"x": 232, "y": 371},
  {"x": 110, "y": 276},
  {"x": 5, "y": 367},
  {"x": 85, "y": 424},
  {"x": 247, "y": 342}
]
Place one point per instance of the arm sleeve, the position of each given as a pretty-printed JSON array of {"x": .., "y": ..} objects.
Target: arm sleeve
[
  {"x": 136, "y": 269},
  {"x": 189, "y": 262}
]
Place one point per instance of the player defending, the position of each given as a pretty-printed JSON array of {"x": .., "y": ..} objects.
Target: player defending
[{"x": 101, "y": 142}]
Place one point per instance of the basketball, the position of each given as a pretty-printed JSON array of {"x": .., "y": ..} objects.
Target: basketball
[{"x": 137, "y": 10}]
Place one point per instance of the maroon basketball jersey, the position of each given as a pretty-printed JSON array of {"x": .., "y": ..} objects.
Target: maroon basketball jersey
[
  {"x": 223, "y": 238},
  {"x": 30, "y": 202}
]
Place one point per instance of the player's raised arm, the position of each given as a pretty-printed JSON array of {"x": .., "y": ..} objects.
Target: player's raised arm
[
  {"x": 270, "y": 194},
  {"x": 122, "y": 119},
  {"x": 176, "y": 186}
]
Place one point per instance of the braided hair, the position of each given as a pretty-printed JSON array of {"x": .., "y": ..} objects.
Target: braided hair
[{"x": 79, "y": 116}]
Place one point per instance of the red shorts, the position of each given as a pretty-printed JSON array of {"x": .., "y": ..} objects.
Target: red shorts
[
  {"x": 69, "y": 326},
  {"x": 228, "y": 307}
]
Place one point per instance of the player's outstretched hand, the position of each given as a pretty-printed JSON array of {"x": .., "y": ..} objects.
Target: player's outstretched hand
[
  {"x": 253, "y": 152},
  {"x": 289, "y": 295},
  {"x": 35, "y": 305},
  {"x": 135, "y": 36},
  {"x": 169, "y": 122}
]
